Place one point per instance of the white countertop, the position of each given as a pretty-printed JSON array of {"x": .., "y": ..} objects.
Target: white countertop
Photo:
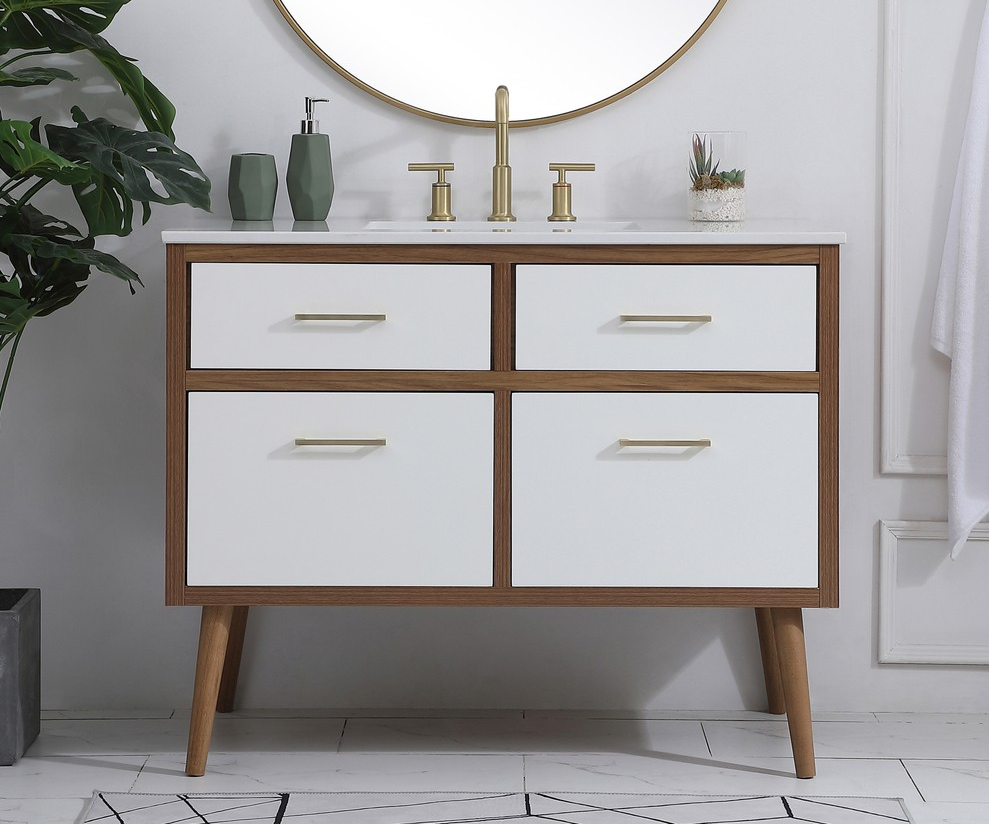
[{"x": 630, "y": 231}]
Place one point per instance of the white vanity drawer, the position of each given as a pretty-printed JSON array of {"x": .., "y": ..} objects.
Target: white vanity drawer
[
  {"x": 340, "y": 316},
  {"x": 587, "y": 511},
  {"x": 684, "y": 318},
  {"x": 264, "y": 511}
]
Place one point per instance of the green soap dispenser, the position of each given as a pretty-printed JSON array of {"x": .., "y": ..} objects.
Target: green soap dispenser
[{"x": 310, "y": 171}]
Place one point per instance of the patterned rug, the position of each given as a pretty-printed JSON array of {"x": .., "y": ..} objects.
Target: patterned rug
[{"x": 473, "y": 808}]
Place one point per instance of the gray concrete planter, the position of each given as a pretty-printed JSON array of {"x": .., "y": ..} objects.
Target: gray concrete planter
[{"x": 20, "y": 671}]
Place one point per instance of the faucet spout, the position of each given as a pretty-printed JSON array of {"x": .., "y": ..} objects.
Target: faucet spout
[
  {"x": 501, "y": 125},
  {"x": 501, "y": 173}
]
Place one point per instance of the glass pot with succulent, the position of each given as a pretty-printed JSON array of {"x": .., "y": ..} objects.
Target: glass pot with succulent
[{"x": 717, "y": 190}]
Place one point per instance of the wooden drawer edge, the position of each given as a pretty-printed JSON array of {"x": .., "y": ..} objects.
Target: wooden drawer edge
[
  {"x": 497, "y": 596},
  {"x": 483, "y": 381},
  {"x": 497, "y": 253}
]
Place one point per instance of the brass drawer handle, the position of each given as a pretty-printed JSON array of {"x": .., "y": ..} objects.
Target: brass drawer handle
[
  {"x": 664, "y": 318},
  {"x": 339, "y": 316},
  {"x": 701, "y": 442},
  {"x": 340, "y": 442}
]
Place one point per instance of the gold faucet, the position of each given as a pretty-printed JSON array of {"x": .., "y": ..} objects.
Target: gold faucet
[{"x": 501, "y": 173}]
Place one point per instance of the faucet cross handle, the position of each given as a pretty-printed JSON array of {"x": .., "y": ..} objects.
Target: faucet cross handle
[
  {"x": 563, "y": 168},
  {"x": 561, "y": 189},
  {"x": 442, "y": 191}
]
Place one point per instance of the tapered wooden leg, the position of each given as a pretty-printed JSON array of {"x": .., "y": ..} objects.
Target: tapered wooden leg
[
  {"x": 231, "y": 662},
  {"x": 788, "y": 627},
  {"x": 770, "y": 660},
  {"x": 214, "y": 632}
]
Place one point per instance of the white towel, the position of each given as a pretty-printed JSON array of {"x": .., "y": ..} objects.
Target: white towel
[{"x": 961, "y": 316}]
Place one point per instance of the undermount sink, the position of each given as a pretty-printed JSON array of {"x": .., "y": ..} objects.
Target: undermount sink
[{"x": 484, "y": 226}]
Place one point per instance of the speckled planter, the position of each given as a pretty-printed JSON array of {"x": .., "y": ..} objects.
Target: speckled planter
[
  {"x": 20, "y": 671},
  {"x": 716, "y": 204}
]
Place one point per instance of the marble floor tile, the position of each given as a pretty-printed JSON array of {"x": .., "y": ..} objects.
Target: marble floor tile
[
  {"x": 528, "y": 735},
  {"x": 79, "y": 715},
  {"x": 275, "y": 734},
  {"x": 837, "y": 740},
  {"x": 69, "y": 777},
  {"x": 330, "y": 712},
  {"x": 939, "y": 762},
  {"x": 147, "y": 736},
  {"x": 336, "y": 772},
  {"x": 951, "y": 780},
  {"x": 946, "y": 813},
  {"x": 933, "y": 717},
  {"x": 117, "y": 736},
  {"x": 41, "y": 810},
  {"x": 695, "y": 715},
  {"x": 618, "y": 773}
]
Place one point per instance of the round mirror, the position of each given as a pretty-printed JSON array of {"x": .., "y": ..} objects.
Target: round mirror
[{"x": 445, "y": 61}]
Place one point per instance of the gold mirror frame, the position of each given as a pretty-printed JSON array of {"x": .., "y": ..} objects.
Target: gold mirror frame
[{"x": 538, "y": 121}]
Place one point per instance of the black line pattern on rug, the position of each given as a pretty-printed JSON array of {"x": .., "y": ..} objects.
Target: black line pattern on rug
[
  {"x": 185, "y": 798},
  {"x": 591, "y": 808},
  {"x": 280, "y": 815},
  {"x": 101, "y": 796},
  {"x": 472, "y": 799},
  {"x": 626, "y": 810},
  {"x": 823, "y": 803},
  {"x": 228, "y": 804},
  {"x": 712, "y": 800},
  {"x": 410, "y": 804},
  {"x": 437, "y": 821},
  {"x": 202, "y": 818},
  {"x": 115, "y": 813}
]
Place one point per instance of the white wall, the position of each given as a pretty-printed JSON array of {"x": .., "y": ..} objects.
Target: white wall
[{"x": 81, "y": 485}]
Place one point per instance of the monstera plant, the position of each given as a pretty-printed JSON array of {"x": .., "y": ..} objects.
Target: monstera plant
[{"x": 110, "y": 168}]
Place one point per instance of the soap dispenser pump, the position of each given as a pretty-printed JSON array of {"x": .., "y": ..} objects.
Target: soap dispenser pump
[{"x": 309, "y": 177}]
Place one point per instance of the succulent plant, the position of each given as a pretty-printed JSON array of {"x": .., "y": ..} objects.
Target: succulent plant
[
  {"x": 736, "y": 177},
  {"x": 702, "y": 163},
  {"x": 703, "y": 168}
]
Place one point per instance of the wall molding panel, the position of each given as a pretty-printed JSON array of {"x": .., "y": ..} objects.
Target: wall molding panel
[
  {"x": 903, "y": 270},
  {"x": 919, "y": 623},
  {"x": 893, "y": 459}
]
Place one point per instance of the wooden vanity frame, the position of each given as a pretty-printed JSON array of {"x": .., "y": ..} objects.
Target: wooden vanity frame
[{"x": 225, "y": 608}]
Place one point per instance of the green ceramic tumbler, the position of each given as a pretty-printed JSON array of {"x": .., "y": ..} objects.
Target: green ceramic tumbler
[{"x": 252, "y": 186}]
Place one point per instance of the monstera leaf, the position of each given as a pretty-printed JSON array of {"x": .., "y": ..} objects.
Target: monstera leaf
[
  {"x": 37, "y": 267},
  {"x": 28, "y": 220},
  {"x": 36, "y": 76},
  {"x": 127, "y": 165},
  {"x": 155, "y": 109},
  {"x": 45, "y": 262},
  {"x": 57, "y": 25},
  {"x": 24, "y": 156},
  {"x": 41, "y": 248},
  {"x": 106, "y": 207},
  {"x": 15, "y": 310},
  {"x": 53, "y": 261},
  {"x": 66, "y": 26}
]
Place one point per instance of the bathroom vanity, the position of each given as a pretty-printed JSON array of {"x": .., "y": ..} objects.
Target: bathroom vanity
[{"x": 639, "y": 415}]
